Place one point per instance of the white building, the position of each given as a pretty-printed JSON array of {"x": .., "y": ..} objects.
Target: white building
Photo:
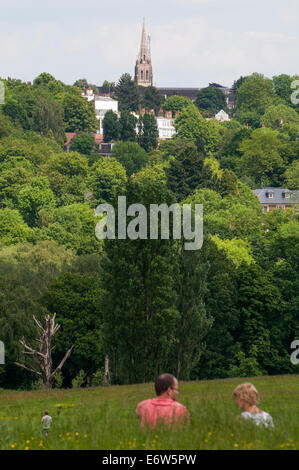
[
  {"x": 102, "y": 104},
  {"x": 222, "y": 116},
  {"x": 165, "y": 127}
]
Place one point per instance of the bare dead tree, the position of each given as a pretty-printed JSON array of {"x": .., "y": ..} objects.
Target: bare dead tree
[{"x": 41, "y": 363}]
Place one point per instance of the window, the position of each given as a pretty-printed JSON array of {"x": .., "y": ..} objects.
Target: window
[
  {"x": 286, "y": 195},
  {"x": 147, "y": 75},
  {"x": 141, "y": 74},
  {"x": 270, "y": 195}
]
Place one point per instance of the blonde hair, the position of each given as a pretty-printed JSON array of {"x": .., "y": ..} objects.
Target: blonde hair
[{"x": 247, "y": 393}]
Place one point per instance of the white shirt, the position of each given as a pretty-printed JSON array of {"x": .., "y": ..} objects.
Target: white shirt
[
  {"x": 259, "y": 418},
  {"x": 46, "y": 421}
]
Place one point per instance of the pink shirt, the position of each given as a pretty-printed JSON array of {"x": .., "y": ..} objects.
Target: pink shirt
[{"x": 164, "y": 410}]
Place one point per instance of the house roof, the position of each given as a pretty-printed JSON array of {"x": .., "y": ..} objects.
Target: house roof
[{"x": 278, "y": 195}]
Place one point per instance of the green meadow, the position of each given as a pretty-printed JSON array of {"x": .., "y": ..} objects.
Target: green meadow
[{"x": 104, "y": 417}]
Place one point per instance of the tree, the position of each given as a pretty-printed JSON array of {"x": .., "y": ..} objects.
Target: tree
[
  {"x": 127, "y": 93},
  {"x": 282, "y": 87},
  {"x": 75, "y": 298},
  {"x": 127, "y": 123},
  {"x": 176, "y": 103},
  {"x": 79, "y": 114},
  {"x": 48, "y": 116},
  {"x": 185, "y": 172},
  {"x": 111, "y": 126},
  {"x": 211, "y": 99},
  {"x": 34, "y": 197},
  {"x": 255, "y": 94},
  {"x": 82, "y": 143},
  {"x": 42, "y": 358},
  {"x": 139, "y": 313},
  {"x": 13, "y": 229},
  {"x": 191, "y": 126},
  {"x": 107, "y": 179},
  {"x": 16, "y": 113},
  {"x": 73, "y": 226},
  {"x": 43, "y": 79},
  {"x": 152, "y": 99},
  {"x": 292, "y": 176},
  {"x": 6, "y": 127},
  {"x": 279, "y": 115},
  {"x": 148, "y": 133},
  {"x": 260, "y": 155},
  {"x": 130, "y": 155}
]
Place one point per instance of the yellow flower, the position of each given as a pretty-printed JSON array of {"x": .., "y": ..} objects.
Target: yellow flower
[
  {"x": 209, "y": 433},
  {"x": 76, "y": 434},
  {"x": 26, "y": 448},
  {"x": 206, "y": 440},
  {"x": 27, "y": 442},
  {"x": 68, "y": 434},
  {"x": 232, "y": 435},
  {"x": 85, "y": 435},
  {"x": 12, "y": 446},
  {"x": 236, "y": 445}
]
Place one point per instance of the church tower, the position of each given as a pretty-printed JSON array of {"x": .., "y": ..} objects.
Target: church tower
[{"x": 143, "y": 67}]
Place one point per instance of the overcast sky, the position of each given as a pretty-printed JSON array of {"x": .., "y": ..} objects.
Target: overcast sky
[{"x": 193, "y": 42}]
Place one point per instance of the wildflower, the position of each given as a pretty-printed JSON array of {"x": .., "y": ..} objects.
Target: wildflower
[
  {"x": 26, "y": 448},
  {"x": 236, "y": 445},
  {"x": 27, "y": 442},
  {"x": 76, "y": 434},
  {"x": 85, "y": 436},
  {"x": 12, "y": 446}
]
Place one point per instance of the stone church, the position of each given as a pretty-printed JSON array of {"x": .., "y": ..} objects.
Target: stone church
[
  {"x": 143, "y": 67},
  {"x": 144, "y": 76}
]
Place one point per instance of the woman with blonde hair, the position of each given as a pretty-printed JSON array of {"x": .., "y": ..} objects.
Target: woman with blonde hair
[{"x": 246, "y": 397}]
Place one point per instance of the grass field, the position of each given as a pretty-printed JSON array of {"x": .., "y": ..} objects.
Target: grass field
[{"x": 104, "y": 418}]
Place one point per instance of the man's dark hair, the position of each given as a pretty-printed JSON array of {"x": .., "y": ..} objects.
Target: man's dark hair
[
  {"x": 163, "y": 382},
  {"x": 46, "y": 412}
]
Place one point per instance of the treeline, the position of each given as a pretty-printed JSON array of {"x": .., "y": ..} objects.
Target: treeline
[{"x": 228, "y": 309}]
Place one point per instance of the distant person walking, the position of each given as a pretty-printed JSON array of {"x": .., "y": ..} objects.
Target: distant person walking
[
  {"x": 46, "y": 423},
  {"x": 164, "y": 409},
  {"x": 246, "y": 397}
]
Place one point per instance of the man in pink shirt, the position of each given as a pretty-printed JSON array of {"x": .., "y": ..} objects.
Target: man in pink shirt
[{"x": 164, "y": 409}]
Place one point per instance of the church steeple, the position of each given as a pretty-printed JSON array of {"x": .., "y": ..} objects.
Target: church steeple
[{"x": 143, "y": 68}]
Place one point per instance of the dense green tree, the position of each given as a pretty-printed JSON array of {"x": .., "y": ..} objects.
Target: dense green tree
[
  {"x": 211, "y": 99},
  {"x": 139, "y": 313},
  {"x": 73, "y": 227},
  {"x": 13, "y": 229},
  {"x": 111, "y": 126},
  {"x": 291, "y": 176},
  {"x": 282, "y": 87},
  {"x": 130, "y": 155},
  {"x": 191, "y": 126},
  {"x": 127, "y": 123},
  {"x": 127, "y": 93},
  {"x": 279, "y": 115},
  {"x": 148, "y": 132},
  {"x": 176, "y": 103},
  {"x": 5, "y": 126},
  {"x": 82, "y": 143},
  {"x": 185, "y": 172},
  {"x": 34, "y": 197},
  {"x": 16, "y": 113},
  {"x": 152, "y": 99},
  {"x": 74, "y": 298},
  {"x": 48, "y": 116},
  {"x": 260, "y": 156},
  {"x": 107, "y": 179},
  {"x": 79, "y": 114},
  {"x": 14, "y": 173},
  {"x": 255, "y": 94},
  {"x": 43, "y": 79}
]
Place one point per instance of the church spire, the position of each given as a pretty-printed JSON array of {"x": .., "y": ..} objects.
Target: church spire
[{"x": 143, "y": 68}]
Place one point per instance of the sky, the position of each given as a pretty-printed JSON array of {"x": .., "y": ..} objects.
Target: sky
[{"x": 193, "y": 42}]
